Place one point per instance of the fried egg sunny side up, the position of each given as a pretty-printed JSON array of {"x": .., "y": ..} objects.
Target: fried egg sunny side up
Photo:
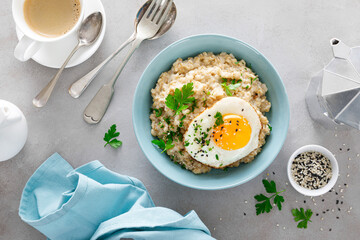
[{"x": 221, "y": 143}]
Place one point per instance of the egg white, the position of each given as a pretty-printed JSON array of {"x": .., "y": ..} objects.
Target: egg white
[{"x": 212, "y": 155}]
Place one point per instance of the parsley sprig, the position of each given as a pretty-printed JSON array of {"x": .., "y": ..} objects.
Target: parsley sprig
[
  {"x": 110, "y": 137},
  {"x": 219, "y": 119},
  {"x": 302, "y": 215},
  {"x": 264, "y": 204},
  {"x": 162, "y": 145},
  {"x": 178, "y": 101}
]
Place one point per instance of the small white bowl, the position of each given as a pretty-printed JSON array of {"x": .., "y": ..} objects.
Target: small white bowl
[{"x": 334, "y": 166}]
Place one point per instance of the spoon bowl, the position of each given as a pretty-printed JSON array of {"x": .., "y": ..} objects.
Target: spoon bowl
[{"x": 90, "y": 29}]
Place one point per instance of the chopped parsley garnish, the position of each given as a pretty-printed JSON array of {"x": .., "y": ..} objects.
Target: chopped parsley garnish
[
  {"x": 237, "y": 62},
  {"x": 162, "y": 145},
  {"x": 182, "y": 121},
  {"x": 110, "y": 137},
  {"x": 217, "y": 157},
  {"x": 158, "y": 112},
  {"x": 264, "y": 204},
  {"x": 167, "y": 120},
  {"x": 219, "y": 119},
  {"x": 178, "y": 101},
  {"x": 302, "y": 215},
  {"x": 232, "y": 86},
  {"x": 270, "y": 127},
  {"x": 253, "y": 79}
]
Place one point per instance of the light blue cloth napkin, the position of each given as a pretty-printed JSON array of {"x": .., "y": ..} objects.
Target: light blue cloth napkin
[{"x": 92, "y": 202}]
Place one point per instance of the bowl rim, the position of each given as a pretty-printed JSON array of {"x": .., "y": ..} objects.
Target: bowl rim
[
  {"x": 334, "y": 165},
  {"x": 224, "y": 186}
]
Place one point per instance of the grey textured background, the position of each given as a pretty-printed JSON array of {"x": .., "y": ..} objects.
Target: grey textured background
[{"x": 293, "y": 35}]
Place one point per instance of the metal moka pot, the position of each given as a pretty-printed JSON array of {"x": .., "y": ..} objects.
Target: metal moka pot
[{"x": 334, "y": 93}]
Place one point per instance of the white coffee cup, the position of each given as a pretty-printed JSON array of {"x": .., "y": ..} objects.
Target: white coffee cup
[{"x": 31, "y": 42}]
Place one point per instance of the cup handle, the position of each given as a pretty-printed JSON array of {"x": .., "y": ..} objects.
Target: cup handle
[{"x": 26, "y": 48}]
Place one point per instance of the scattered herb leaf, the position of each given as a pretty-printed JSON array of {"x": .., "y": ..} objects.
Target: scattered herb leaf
[
  {"x": 302, "y": 215},
  {"x": 110, "y": 137},
  {"x": 270, "y": 127},
  {"x": 264, "y": 204}
]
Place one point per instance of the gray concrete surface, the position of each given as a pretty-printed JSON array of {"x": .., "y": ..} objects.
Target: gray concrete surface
[{"x": 294, "y": 35}]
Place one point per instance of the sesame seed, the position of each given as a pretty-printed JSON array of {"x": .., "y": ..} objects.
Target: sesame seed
[
  {"x": 284, "y": 228},
  {"x": 245, "y": 201},
  {"x": 321, "y": 229},
  {"x": 277, "y": 225},
  {"x": 321, "y": 218}
]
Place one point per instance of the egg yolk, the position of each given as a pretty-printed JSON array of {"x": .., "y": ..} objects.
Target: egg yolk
[{"x": 233, "y": 134}]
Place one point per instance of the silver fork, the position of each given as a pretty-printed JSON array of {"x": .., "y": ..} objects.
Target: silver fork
[{"x": 148, "y": 26}]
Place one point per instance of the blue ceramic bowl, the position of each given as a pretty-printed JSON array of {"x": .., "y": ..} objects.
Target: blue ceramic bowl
[{"x": 278, "y": 116}]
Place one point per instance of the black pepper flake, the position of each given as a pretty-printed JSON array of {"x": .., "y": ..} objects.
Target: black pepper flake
[
  {"x": 324, "y": 212},
  {"x": 244, "y": 214},
  {"x": 340, "y": 149},
  {"x": 339, "y": 209},
  {"x": 342, "y": 202},
  {"x": 337, "y": 201},
  {"x": 304, "y": 201},
  {"x": 274, "y": 173},
  {"x": 348, "y": 149},
  {"x": 337, "y": 217},
  {"x": 317, "y": 214},
  {"x": 323, "y": 200},
  {"x": 329, "y": 229}
]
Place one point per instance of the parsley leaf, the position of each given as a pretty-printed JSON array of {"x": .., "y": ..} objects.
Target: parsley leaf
[
  {"x": 270, "y": 127},
  {"x": 181, "y": 97},
  {"x": 264, "y": 204},
  {"x": 162, "y": 145},
  {"x": 303, "y": 216},
  {"x": 110, "y": 137},
  {"x": 219, "y": 119}
]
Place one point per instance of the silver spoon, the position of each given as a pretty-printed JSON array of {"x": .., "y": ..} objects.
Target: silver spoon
[
  {"x": 148, "y": 26},
  {"x": 79, "y": 86},
  {"x": 88, "y": 32}
]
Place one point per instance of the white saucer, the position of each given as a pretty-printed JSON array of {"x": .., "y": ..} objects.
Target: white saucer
[{"x": 54, "y": 54}]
